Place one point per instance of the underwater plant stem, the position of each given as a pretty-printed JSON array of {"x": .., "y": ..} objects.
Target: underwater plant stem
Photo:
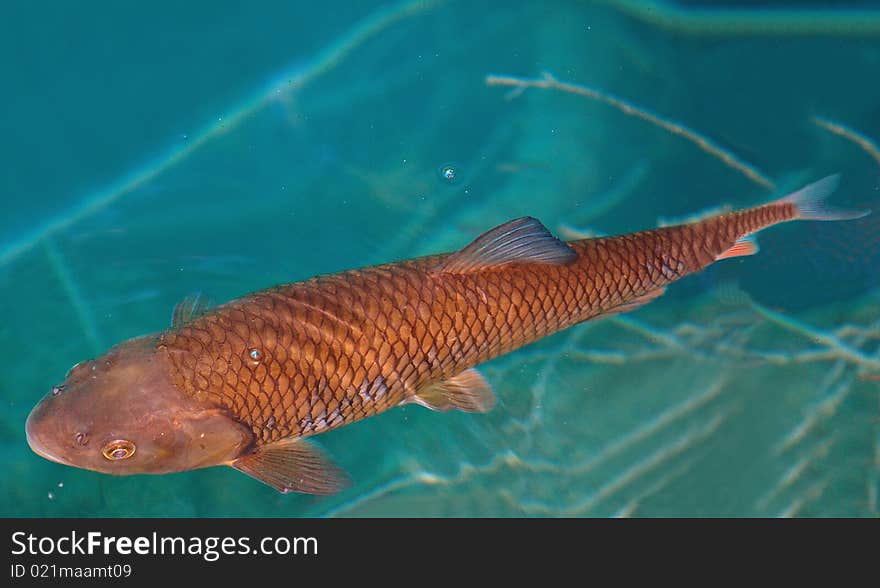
[
  {"x": 835, "y": 347},
  {"x": 74, "y": 296},
  {"x": 704, "y": 143},
  {"x": 867, "y": 144},
  {"x": 782, "y": 21},
  {"x": 283, "y": 84}
]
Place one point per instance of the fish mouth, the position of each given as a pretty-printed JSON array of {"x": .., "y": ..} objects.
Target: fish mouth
[{"x": 36, "y": 445}]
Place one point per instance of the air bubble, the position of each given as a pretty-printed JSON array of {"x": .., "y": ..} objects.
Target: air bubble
[{"x": 449, "y": 173}]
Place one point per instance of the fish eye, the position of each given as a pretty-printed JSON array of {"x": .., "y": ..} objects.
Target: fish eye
[{"x": 118, "y": 449}]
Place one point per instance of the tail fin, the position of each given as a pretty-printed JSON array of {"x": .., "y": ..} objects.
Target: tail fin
[{"x": 809, "y": 202}]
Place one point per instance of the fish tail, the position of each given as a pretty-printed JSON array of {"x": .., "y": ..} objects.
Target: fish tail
[{"x": 810, "y": 202}]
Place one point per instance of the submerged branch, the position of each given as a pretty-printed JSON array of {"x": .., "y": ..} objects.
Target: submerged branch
[
  {"x": 703, "y": 143},
  {"x": 868, "y": 145}
]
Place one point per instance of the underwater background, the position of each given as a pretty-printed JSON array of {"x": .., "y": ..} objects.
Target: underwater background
[{"x": 152, "y": 151}]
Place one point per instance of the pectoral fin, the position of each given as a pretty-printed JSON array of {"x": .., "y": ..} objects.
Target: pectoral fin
[
  {"x": 293, "y": 465},
  {"x": 468, "y": 391},
  {"x": 190, "y": 308}
]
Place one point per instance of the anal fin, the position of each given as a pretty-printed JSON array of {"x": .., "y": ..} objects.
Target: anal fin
[
  {"x": 633, "y": 304},
  {"x": 747, "y": 245},
  {"x": 468, "y": 391},
  {"x": 293, "y": 465}
]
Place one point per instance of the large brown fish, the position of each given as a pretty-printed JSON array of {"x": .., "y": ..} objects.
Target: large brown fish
[{"x": 244, "y": 383}]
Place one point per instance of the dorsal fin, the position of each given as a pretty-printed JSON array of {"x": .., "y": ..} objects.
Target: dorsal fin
[
  {"x": 523, "y": 240},
  {"x": 189, "y": 309}
]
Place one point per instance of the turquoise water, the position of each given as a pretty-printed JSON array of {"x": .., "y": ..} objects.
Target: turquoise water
[{"x": 153, "y": 152}]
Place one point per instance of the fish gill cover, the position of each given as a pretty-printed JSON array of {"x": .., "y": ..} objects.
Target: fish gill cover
[{"x": 224, "y": 150}]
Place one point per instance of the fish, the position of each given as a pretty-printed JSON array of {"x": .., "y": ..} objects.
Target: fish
[{"x": 247, "y": 383}]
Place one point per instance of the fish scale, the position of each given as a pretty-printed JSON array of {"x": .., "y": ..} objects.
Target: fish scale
[{"x": 324, "y": 341}]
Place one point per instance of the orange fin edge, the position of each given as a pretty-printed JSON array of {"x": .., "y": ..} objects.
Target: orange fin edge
[{"x": 744, "y": 246}]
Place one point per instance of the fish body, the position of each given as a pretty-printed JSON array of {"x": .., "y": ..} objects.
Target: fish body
[{"x": 250, "y": 379}]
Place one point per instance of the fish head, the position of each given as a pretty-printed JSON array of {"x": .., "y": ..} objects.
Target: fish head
[{"x": 122, "y": 414}]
